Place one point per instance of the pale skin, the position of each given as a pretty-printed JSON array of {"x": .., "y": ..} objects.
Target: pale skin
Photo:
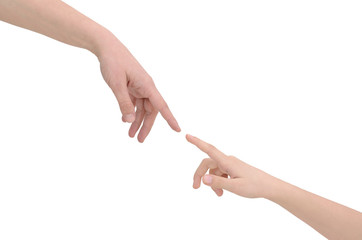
[
  {"x": 140, "y": 102},
  {"x": 135, "y": 91},
  {"x": 332, "y": 220}
]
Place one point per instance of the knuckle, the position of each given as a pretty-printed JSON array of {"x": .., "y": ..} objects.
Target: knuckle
[
  {"x": 227, "y": 170},
  {"x": 204, "y": 161},
  {"x": 116, "y": 82},
  {"x": 148, "y": 79},
  {"x": 197, "y": 175}
]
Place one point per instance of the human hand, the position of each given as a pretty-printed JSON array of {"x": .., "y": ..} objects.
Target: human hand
[
  {"x": 245, "y": 180},
  {"x": 133, "y": 87},
  {"x": 130, "y": 83}
]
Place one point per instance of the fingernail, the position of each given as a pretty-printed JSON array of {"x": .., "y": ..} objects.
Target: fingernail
[
  {"x": 129, "y": 118},
  {"x": 207, "y": 179}
]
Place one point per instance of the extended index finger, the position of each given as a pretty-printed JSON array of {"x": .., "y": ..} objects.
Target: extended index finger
[
  {"x": 207, "y": 148},
  {"x": 159, "y": 103}
]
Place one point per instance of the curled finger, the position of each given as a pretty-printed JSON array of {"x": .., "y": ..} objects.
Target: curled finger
[
  {"x": 140, "y": 113},
  {"x": 204, "y": 166}
]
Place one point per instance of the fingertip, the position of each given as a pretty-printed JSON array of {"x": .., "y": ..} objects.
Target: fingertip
[
  {"x": 207, "y": 179},
  {"x": 189, "y": 137},
  {"x": 140, "y": 139},
  {"x": 221, "y": 192},
  {"x": 177, "y": 128},
  {"x": 217, "y": 191},
  {"x": 174, "y": 125},
  {"x": 129, "y": 118},
  {"x": 131, "y": 133},
  {"x": 196, "y": 184},
  {"x": 132, "y": 130}
]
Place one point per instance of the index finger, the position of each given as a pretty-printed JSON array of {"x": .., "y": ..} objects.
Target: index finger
[
  {"x": 207, "y": 148},
  {"x": 159, "y": 103}
]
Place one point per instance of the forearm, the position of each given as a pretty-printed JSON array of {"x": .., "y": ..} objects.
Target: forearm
[
  {"x": 55, "y": 19},
  {"x": 332, "y": 220}
]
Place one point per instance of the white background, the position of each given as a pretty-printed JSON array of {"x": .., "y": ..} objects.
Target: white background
[{"x": 276, "y": 83}]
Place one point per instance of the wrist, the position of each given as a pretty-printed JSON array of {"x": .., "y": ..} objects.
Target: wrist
[
  {"x": 274, "y": 189},
  {"x": 103, "y": 38}
]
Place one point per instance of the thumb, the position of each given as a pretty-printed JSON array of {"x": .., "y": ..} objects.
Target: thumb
[
  {"x": 219, "y": 182},
  {"x": 125, "y": 103}
]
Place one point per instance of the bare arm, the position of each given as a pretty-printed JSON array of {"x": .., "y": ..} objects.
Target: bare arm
[
  {"x": 130, "y": 83},
  {"x": 332, "y": 220},
  {"x": 54, "y": 19}
]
